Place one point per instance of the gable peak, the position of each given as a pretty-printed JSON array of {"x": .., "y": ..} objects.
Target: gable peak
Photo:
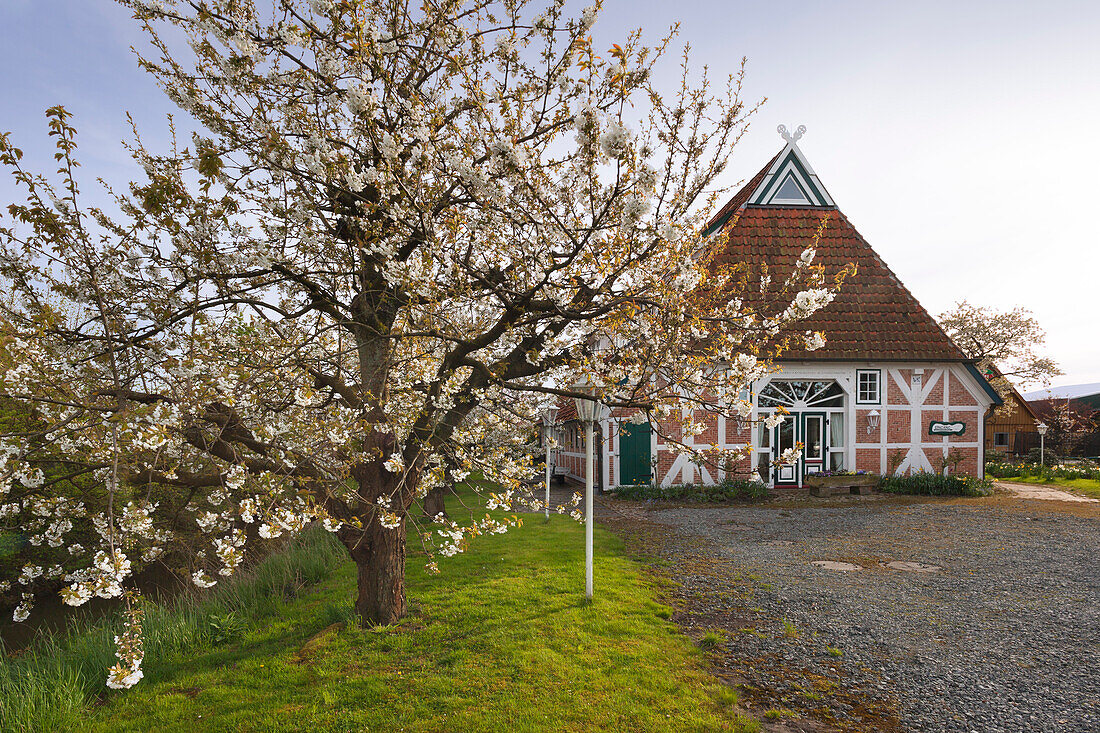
[
  {"x": 782, "y": 130},
  {"x": 791, "y": 180}
]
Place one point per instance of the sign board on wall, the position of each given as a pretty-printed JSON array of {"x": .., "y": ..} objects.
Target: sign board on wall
[{"x": 946, "y": 428}]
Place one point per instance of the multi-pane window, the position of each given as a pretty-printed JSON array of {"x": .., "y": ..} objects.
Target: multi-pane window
[
  {"x": 1000, "y": 440},
  {"x": 868, "y": 387}
]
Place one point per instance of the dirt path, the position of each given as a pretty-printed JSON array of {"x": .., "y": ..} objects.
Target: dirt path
[{"x": 1045, "y": 493}]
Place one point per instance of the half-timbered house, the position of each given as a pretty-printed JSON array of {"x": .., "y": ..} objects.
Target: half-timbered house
[{"x": 889, "y": 391}]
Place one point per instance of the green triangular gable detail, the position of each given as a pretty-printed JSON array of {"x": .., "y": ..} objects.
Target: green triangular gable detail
[
  {"x": 789, "y": 175},
  {"x": 788, "y": 165}
]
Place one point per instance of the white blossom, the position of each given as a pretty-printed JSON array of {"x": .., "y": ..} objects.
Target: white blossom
[
  {"x": 814, "y": 340},
  {"x": 588, "y": 17},
  {"x": 23, "y": 611},
  {"x": 615, "y": 140},
  {"x": 395, "y": 463},
  {"x": 202, "y": 580}
]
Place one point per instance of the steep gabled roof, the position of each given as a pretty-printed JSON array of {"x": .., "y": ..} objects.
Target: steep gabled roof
[{"x": 874, "y": 317}]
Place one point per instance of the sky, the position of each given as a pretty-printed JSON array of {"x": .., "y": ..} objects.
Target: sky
[{"x": 954, "y": 135}]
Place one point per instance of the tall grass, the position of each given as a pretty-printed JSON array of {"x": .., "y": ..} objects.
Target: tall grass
[{"x": 51, "y": 686}]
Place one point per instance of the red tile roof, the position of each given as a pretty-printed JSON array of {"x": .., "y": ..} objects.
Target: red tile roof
[
  {"x": 741, "y": 197},
  {"x": 567, "y": 409},
  {"x": 874, "y": 317}
]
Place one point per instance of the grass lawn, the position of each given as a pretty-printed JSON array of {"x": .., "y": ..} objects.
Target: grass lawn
[
  {"x": 501, "y": 640},
  {"x": 1086, "y": 486}
]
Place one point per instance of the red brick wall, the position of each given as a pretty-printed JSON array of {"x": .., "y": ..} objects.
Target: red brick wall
[
  {"x": 862, "y": 436},
  {"x": 935, "y": 457},
  {"x": 664, "y": 463},
  {"x": 899, "y": 429},
  {"x": 868, "y": 459},
  {"x": 710, "y": 435},
  {"x": 893, "y": 391},
  {"x": 742, "y": 467},
  {"x": 895, "y": 428},
  {"x": 735, "y": 436},
  {"x": 935, "y": 396},
  {"x": 969, "y": 464},
  {"x": 970, "y": 418},
  {"x": 960, "y": 395},
  {"x": 927, "y": 418}
]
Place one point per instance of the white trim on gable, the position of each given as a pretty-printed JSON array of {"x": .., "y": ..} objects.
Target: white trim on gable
[{"x": 791, "y": 166}]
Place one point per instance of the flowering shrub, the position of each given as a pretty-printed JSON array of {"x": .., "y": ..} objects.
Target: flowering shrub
[
  {"x": 1000, "y": 469},
  {"x": 935, "y": 484}
]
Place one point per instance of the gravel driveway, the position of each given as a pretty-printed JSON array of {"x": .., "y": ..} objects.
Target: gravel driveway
[{"x": 1003, "y": 636}]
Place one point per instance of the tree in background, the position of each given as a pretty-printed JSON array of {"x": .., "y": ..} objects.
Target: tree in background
[
  {"x": 1071, "y": 424},
  {"x": 401, "y": 227},
  {"x": 1004, "y": 343}
]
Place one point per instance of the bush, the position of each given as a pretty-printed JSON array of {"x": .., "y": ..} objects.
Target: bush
[
  {"x": 1048, "y": 455},
  {"x": 935, "y": 484},
  {"x": 730, "y": 489}
]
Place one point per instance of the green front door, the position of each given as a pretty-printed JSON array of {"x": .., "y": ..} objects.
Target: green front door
[{"x": 634, "y": 461}]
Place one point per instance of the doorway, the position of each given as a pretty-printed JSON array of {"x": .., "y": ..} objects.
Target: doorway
[
  {"x": 807, "y": 428},
  {"x": 635, "y": 465},
  {"x": 810, "y": 404}
]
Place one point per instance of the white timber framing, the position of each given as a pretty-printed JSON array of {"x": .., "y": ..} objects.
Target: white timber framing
[{"x": 914, "y": 381}]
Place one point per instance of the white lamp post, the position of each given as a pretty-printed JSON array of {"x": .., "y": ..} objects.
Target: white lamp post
[
  {"x": 549, "y": 413},
  {"x": 1042, "y": 428},
  {"x": 589, "y": 411}
]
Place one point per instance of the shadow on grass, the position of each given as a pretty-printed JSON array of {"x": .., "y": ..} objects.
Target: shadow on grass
[{"x": 502, "y": 639}]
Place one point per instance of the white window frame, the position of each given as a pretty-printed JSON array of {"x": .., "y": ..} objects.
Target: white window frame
[
  {"x": 802, "y": 200},
  {"x": 878, "y": 387}
]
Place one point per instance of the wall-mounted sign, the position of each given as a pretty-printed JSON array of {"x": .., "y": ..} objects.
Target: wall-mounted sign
[{"x": 946, "y": 428}]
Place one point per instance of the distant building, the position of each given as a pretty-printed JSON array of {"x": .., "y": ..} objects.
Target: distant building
[
  {"x": 1087, "y": 394},
  {"x": 1011, "y": 432}
]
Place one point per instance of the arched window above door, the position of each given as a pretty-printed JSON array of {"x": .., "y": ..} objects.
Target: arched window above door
[{"x": 799, "y": 394}]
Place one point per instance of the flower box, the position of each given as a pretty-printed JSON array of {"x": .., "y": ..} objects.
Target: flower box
[{"x": 830, "y": 485}]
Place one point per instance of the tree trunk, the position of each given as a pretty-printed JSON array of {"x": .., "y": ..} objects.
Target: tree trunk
[
  {"x": 434, "y": 502},
  {"x": 379, "y": 555}
]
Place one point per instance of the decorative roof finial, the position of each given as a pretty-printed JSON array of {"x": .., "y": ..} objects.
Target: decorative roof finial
[{"x": 782, "y": 130}]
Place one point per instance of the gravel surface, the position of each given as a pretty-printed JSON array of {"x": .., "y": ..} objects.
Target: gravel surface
[{"x": 1004, "y": 636}]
